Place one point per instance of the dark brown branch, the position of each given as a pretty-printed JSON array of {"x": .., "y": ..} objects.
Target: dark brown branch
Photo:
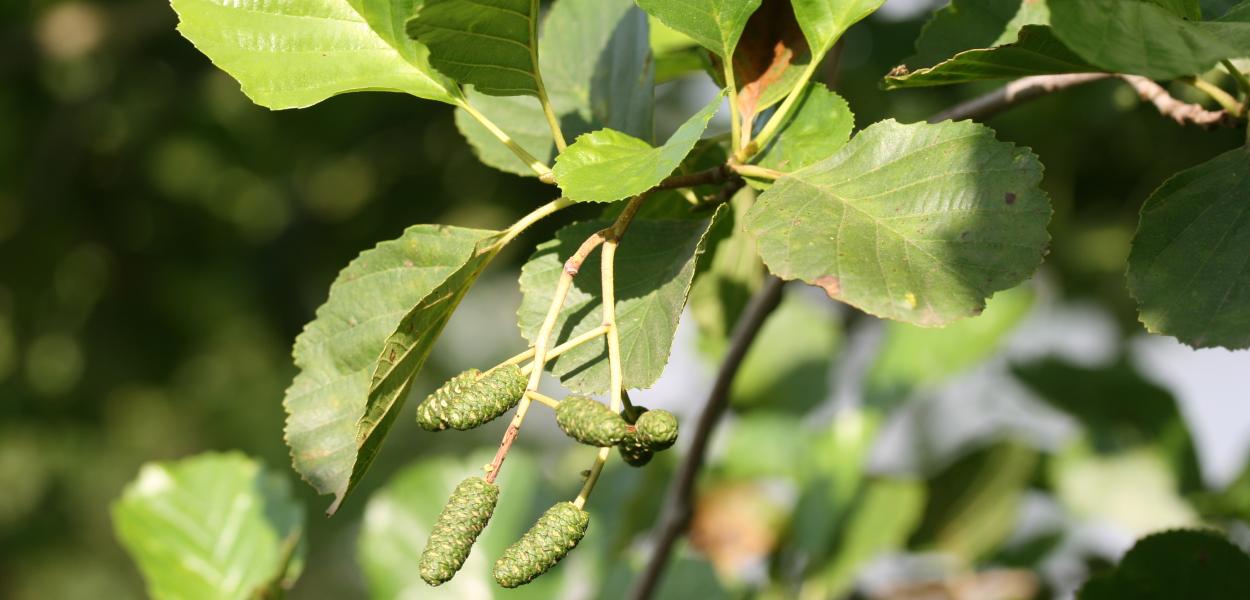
[
  {"x": 678, "y": 504},
  {"x": 710, "y": 176}
]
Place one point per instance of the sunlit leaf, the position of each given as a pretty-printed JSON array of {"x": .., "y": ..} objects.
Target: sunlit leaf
[
  {"x": 1135, "y": 490},
  {"x": 654, "y": 268},
  {"x": 489, "y": 44},
  {"x": 337, "y": 351},
  {"x": 715, "y": 24},
  {"x": 1188, "y": 269},
  {"x": 607, "y": 165},
  {"x": 609, "y": 85},
  {"x": 974, "y": 24},
  {"x": 824, "y": 21},
  {"x": 1036, "y": 52},
  {"x": 918, "y": 223},
  {"x": 296, "y": 54},
  {"x": 212, "y": 526}
]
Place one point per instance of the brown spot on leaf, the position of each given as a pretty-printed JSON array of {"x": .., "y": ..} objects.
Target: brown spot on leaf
[
  {"x": 770, "y": 45},
  {"x": 965, "y": 235},
  {"x": 1010, "y": 197},
  {"x": 831, "y": 284}
]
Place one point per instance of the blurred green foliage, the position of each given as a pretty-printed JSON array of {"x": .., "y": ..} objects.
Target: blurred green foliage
[{"x": 162, "y": 241}]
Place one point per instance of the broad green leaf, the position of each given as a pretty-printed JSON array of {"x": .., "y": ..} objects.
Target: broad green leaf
[
  {"x": 787, "y": 368},
  {"x": 1037, "y": 52},
  {"x": 918, "y": 223},
  {"x": 1185, "y": 9},
  {"x": 212, "y": 526},
  {"x": 1191, "y": 564},
  {"x": 1240, "y": 13},
  {"x": 610, "y": 85},
  {"x": 715, "y": 24},
  {"x": 824, "y": 21},
  {"x": 1188, "y": 269},
  {"x": 1132, "y": 36},
  {"x": 973, "y": 503},
  {"x": 728, "y": 277},
  {"x": 404, "y": 353},
  {"x": 886, "y": 512},
  {"x": 1218, "y": 9},
  {"x": 296, "y": 54},
  {"x": 974, "y": 24},
  {"x": 654, "y": 268},
  {"x": 489, "y": 44},
  {"x": 337, "y": 351},
  {"x": 819, "y": 125},
  {"x": 911, "y": 356},
  {"x": 398, "y": 519},
  {"x": 607, "y": 165}
]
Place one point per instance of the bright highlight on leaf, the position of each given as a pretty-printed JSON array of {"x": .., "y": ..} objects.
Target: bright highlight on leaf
[
  {"x": 607, "y": 165},
  {"x": 919, "y": 223},
  {"x": 211, "y": 526},
  {"x": 1189, "y": 270},
  {"x": 296, "y": 54}
]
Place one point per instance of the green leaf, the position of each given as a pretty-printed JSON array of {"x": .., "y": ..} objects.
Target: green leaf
[
  {"x": 211, "y": 526},
  {"x": 974, "y": 24},
  {"x": 1185, "y": 9},
  {"x": 1191, "y": 564},
  {"x": 824, "y": 21},
  {"x": 1240, "y": 13},
  {"x": 912, "y": 356},
  {"x": 337, "y": 351},
  {"x": 609, "y": 86},
  {"x": 404, "y": 353},
  {"x": 918, "y": 223},
  {"x": 1188, "y": 268},
  {"x": 1037, "y": 52},
  {"x": 490, "y": 44},
  {"x": 654, "y": 268},
  {"x": 973, "y": 503},
  {"x": 1134, "y": 490},
  {"x": 819, "y": 125},
  {"x": 714, "y": 24},
  {"x": 607, "y": 165},
  {"x": 885, "y": 513},
  {"x": 1132, "y": 36},
  {"x": 398, "y": 519},
  {"x": 296, "y": 54},
  {"x": 729, "y": 275}
]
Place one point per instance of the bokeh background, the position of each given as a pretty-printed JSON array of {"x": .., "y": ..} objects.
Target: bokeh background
[{"x": 163, "y": 240}]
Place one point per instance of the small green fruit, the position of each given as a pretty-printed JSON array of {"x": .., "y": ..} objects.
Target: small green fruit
[
  {"x": 590, "y": 422},
  {"x": 657, "y": 429},
  {"x": 463, "y": 518},
  {"x": 549, "y": 540}
]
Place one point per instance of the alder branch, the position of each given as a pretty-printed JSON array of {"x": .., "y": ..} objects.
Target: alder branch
[
  {"x": 1030, "y": 88},
  {"x": 678, "y": 504}
]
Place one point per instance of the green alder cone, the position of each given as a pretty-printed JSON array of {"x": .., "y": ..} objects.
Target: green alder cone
[
  {"x": 467, "y": 401},
  {"x": 634, "y": 451},
  {"x": 656, "y": 429},
  {"x": 556, "y": 532},
  {"x": 590, "y": 422},
  {"x": 464, "y": 516}
]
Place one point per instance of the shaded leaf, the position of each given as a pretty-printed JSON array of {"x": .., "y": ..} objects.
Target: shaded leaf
[
  {"x": 489, "y": 44},
  {"x": 715, "y": 24},
  {"x": 820, "y": 124},
  {"x": 399, "y": 516},
  {"x": 337, "y": 350},
  {"x": 824, "y": 21},
  {"x": 610, "y": 85},
  {"x": 973, "y": 503},
  {"x": 211, "y": 526},
  {"x": 769, "y": 59},
  {"x": 1191, "y": 564},
  {"x": 292, "y": 55},
  {"x": 1190, "y": 265},
  {"x": 918, "y": 223},
  {"x": 607, "y": 165},
  {"x": 729, "y": 275},
  {"x": 1037, "y": 52},
  {"x": 1132, "y": 36},
  {"x": 654, "y": 268},
  {"x": 1185, "y": 9},
  {"x": 966, "y": 25}
]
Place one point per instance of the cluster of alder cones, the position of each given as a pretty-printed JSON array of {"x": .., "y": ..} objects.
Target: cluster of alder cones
[{"x": 471, "y": 399}]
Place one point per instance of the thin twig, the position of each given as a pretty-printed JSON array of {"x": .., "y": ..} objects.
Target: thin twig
[
  {"x": 1017, "y": 92},
  {"x": 1183, "y": 113},
  {"x": 710, "y": 176},
  {"x": 678, "y": 503}
]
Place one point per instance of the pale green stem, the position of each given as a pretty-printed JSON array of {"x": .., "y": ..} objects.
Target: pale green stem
[
  {"x": 1221, "y": 97},
  {"x": 558, "y": 350},
  {"x": 552, "y": 120},
  {"x": 534, "y": 216},
  {"x": 781, "y": 114},
  {"x": 616, "y": 373},
  {"x": 1243, "y": 84},
  {"x": 542, "y": 399},
  {"x": 735, "y": 119},
  {"x": 756, "y": 171},
  {"x": 535, "y": 165}
]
